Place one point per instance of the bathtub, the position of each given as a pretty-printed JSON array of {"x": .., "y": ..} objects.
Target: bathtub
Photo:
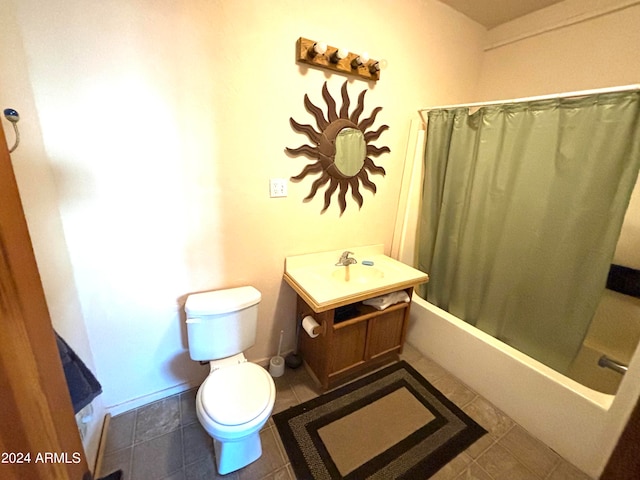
[
  {"x": 580, "y": 424},
  {"x": 575, "y": 421}
]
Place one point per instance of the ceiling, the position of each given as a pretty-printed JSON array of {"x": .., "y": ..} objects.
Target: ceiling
[{"x": 492, "y": 13}]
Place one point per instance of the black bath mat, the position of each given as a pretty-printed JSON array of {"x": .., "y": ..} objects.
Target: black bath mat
[
  {"x": 390, "y": 424},
  {"x": 117, "y": 475}
]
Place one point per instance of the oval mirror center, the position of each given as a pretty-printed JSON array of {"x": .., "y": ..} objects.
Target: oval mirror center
[{"x": 351, "y": 150}]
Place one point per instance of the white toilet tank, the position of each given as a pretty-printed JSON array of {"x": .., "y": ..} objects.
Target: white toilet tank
[{"x": 221, "y": 323}]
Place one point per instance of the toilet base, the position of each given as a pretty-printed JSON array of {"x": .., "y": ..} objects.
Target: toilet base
[{"x": 233, "y": 455}]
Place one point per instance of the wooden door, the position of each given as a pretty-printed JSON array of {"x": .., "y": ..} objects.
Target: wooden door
[
  {"x": 624, "y": 463},
  {"x": 39, "y": 438}
]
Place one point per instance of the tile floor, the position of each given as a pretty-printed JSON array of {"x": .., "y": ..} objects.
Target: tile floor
[{"x": 164, "y": 441}]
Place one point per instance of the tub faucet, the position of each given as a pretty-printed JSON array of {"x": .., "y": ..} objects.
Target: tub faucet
[{"x": 346, "y": 260}]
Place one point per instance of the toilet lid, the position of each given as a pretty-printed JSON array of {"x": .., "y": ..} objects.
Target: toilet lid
[{"x": 236, "y": 394}]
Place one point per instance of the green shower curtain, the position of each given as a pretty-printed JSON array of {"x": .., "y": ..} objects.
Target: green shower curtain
[{"x": 521, "y": 211}]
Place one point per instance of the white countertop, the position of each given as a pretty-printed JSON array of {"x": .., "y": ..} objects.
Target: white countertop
[{"x": 324, "y": 286}]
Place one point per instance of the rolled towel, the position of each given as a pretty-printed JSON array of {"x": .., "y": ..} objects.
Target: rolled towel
[
  {"x": 384, "y": 301},
  {"x": 624, "y": 280}
]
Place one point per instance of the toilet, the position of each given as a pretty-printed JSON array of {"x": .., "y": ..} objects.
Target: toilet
[{"x": 236, "y": 399}]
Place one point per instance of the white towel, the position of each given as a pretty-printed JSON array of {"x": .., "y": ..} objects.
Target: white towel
[{"x": 384, "y": 301}]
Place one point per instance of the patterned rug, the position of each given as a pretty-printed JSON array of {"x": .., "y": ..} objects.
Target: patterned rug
[{"x": 392, "y": 424}]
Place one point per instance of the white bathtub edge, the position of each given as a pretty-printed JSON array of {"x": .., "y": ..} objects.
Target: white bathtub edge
[{"x": 564, "y": 414}]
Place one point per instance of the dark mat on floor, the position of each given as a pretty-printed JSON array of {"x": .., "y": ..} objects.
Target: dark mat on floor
[
  {"x": 117, "y": 475},
  {"x": 390, "y": 424}
]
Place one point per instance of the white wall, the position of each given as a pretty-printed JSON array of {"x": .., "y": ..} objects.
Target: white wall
[
  {"x": 577, "y": 45},
  {"x": 155, "y": 126},
  {"x": 39, "y": 195}
]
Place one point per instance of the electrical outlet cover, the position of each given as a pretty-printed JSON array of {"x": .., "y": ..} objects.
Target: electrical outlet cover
[{"x": 278, "y": 187}]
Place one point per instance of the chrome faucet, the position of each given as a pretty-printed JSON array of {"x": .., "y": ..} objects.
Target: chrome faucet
[{"x": 346, "y": 260}]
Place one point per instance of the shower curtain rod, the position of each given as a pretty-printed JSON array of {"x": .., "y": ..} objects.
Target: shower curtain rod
[{"x": 580, "y": 93}]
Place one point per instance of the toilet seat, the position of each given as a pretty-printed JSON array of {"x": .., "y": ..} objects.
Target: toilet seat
[{"x": 236, "y": 394}]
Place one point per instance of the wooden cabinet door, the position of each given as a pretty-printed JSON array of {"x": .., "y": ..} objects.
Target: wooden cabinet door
[
  {"x": 36, "y": 415},
  {"x": 385, "y": 333},
  {"x": 348, "y": 346}
]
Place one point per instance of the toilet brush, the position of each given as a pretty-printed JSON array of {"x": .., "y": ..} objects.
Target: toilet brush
[{"x": 276, "y": 366}]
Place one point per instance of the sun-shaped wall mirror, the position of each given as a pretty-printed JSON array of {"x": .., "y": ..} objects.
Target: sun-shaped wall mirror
[{"x": 341, "y": 149}]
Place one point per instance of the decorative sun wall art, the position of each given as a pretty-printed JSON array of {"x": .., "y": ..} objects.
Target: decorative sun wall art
[{"x": 341, "y": 149}]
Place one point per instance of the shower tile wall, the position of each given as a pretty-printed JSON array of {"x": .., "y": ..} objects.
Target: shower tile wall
[{"x": 164, "y": 441}]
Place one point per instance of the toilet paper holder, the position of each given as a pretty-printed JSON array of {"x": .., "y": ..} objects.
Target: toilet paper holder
[{"x": 320, "y": 328}]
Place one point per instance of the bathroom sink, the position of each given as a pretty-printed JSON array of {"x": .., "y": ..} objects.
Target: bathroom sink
[
  {"x": 325, "y": 285},
  {"x": 356, "y": 273}
]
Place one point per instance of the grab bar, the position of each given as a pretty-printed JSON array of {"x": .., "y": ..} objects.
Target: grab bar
[{"x": 606, "y": 362}]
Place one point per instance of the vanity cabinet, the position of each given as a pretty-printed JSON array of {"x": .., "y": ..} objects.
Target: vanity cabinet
[{"x": 353, "y": 339}]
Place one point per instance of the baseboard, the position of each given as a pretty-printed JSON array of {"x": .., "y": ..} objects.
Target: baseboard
[
  {"x": 114, "y": 410},
  {"x": 97, "y": 468}
]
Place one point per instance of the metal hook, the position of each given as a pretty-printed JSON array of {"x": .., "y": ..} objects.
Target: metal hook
[{"x": 13, "y": 116}]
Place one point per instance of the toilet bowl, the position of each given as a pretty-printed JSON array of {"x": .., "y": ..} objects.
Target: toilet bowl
[
  {"x": 232, "y": 405},
  {"x": 236, "y": 399}
]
